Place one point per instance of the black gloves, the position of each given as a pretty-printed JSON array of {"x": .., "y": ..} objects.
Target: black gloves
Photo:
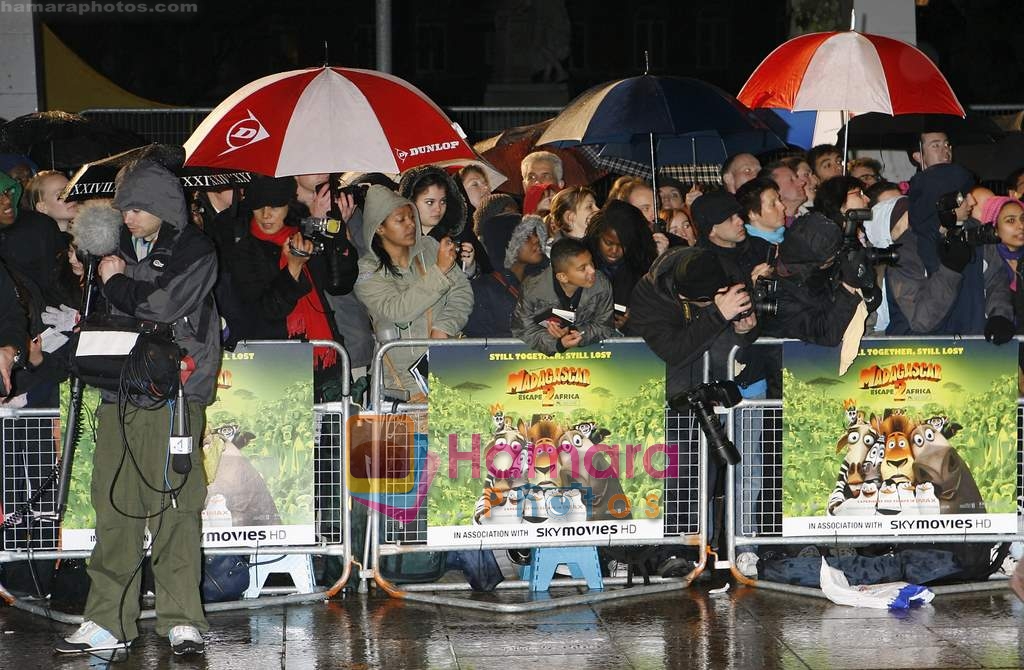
[
  {"x": 954, "y": 253},
  {"x": 872, "y": 298},
  {"x": 999, "y": 330},
  {"x": 854, "y": 269}
]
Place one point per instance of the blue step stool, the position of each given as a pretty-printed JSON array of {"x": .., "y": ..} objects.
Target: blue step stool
[{"x": 581, "y": 561}]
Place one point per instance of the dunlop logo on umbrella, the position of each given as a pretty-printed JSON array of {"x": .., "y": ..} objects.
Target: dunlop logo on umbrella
[
  {"x": 243, "y": 133},
  {"x": 426, "y": 149}
]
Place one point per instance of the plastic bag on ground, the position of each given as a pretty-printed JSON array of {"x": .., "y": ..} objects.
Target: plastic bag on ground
[{"x": 893, "y": 595}]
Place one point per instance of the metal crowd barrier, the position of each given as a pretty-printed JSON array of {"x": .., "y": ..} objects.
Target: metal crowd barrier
[
  {"x": 29, "y": 446},
  {"x": 389, "y": 537},
  {"x": 755, "y": 426}
]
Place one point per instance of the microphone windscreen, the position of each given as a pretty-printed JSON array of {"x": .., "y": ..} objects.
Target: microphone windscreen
[{"x": 97, "y": 228}]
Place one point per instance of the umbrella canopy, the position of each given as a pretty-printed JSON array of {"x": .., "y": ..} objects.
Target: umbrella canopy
[
  {"x": 327, "y": 119},
  {"x": 629, "y": 111},
  {"x": 993, "y": 162},
  {"x": 96, "y": 179},
  {"x": 802, "y": 129},
  {"x": 852, "y": 72},
  {"x": 507, "y": 149},
  {"x": 881, "y": 131},
  {"x": 58, "y": 140},
  {"x": 705, "y": 173}
]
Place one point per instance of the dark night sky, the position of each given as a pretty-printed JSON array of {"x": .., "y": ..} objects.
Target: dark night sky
[{"x": 198, "y": 60}]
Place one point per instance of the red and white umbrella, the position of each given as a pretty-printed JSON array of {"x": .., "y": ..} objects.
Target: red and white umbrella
[
  {"x": 323, "y": 120},
  {"x": 851, "y": 72}
]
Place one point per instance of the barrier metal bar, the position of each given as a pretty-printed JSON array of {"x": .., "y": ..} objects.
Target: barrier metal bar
[
  {"x": 339, "y": 470},
  {"x": 426, "y": 593},
  {"x": 736, "y": 537}
]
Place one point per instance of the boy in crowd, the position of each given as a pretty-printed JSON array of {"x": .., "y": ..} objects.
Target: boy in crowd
[{"x": 572, "y": 284}]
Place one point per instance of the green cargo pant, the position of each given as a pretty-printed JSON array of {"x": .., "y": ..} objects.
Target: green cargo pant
[{"x": 176, "y": 557}]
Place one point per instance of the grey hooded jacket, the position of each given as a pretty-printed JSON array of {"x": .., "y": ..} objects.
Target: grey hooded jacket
[
  {"x": 174, "y": 283},
  {"x": 411, "y": 304},
  {"x": 593, "y": 315}
]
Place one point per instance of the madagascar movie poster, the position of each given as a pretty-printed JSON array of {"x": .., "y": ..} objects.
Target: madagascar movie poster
[
  {"x": 541, "y": 449},
  {"x": 257, "y": 453},
  {"x": 919, "y": 437}
]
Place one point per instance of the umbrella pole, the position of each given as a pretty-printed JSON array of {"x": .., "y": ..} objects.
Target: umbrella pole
[
  {"x": 846, "y": 138},
  {"x": 654, "y": 179}
]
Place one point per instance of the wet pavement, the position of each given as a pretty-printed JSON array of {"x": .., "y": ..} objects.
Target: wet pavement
[{"x": 743, "y": 628}]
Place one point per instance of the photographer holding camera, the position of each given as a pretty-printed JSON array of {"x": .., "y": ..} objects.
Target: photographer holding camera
[
  {"x": 820, "y": 289},
  {"x": 943, "y": 236},
  {"x": 282, "y": 267},
  {"x": 685, "y": 306}
]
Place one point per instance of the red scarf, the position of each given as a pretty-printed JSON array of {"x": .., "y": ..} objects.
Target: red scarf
[{"x": 308, "y": 318}]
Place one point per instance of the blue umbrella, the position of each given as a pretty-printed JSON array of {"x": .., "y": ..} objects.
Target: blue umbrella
[{"x": 663, "y": 120}]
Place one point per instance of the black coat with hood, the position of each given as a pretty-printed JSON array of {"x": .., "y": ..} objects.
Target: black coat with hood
[
  {"x": 678, "y": 338},
  {"x": 495, "y": 294},
  {"x": 270, "y": 293},
  {"x": 811, "y": 306},
  {"x": 174, "y": 282},
  {"x": 457, "y": 223}
]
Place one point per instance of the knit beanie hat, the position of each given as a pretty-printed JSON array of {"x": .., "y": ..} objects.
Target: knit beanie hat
[
  {"x": 492, "y": 205},
  {"x": 269, "y": 192},
  {"x": 990, "y": 210},
  {"x": 713, "y": 208},
  {"x": 698, "y": 274}
]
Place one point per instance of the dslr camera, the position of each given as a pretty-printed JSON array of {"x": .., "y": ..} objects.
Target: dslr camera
[
  {"x": 701, "y": 400},
  {"x": 763, "y": 299},
  {"x": 946, "y": 207},
  {"x": 864, "y": 259}
]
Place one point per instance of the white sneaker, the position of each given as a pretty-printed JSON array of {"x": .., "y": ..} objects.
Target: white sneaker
[
  {"x": 618, "y": 569},
  {"x": 186, "y": 640},
  {"x": 90, "y": 637},
  {"x": 746, "y": 563}
]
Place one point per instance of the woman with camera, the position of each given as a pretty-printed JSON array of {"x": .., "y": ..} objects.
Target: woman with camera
[
  {"x": 442, "y": 213},
  {"x": 281, "y": 276},
  {"x": 409, "y": 284}
]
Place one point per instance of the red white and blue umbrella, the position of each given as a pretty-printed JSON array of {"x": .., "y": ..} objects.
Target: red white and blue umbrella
[
  {"x": 851, "y": 72},
  {"x": 325, "y": 120}
]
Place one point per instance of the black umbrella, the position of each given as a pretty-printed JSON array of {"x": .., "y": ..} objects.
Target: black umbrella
[
  {"x": 875, "y": 130},
  {"x": 661, "y": 120},
  {"x": 58, "y": 140},
  {"x": 96, "y": 179},
  {"x": 993, "y": 162}
]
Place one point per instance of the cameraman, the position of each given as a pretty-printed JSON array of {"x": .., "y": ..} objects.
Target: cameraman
[
  {"x": 282, "y": 277},
  {"x": 164, "y": 271}
]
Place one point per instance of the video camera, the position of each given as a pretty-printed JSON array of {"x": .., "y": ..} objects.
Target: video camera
[
  {"x": 321, "y": 231},
  {"x": 700, "y": 401},
  {"x": 856, "y": 255},
  {"x": 946, "y": 206}
]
